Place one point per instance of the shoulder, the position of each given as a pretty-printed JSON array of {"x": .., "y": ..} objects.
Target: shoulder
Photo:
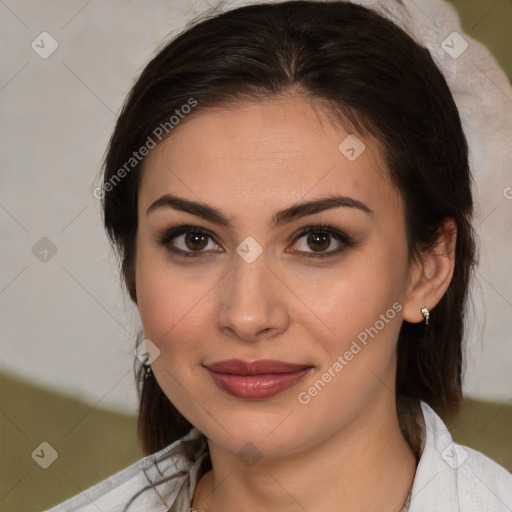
[
  {"x": 483, "y": 482},
  {"x": 140, "y": 481},
  {"x": 457, "y": 478}
]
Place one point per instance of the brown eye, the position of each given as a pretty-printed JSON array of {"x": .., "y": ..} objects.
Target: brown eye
[
  {"x": 188, "y": 241},
  {"x": 196, "y": 241},
  {"x": 320, "y": 241}
]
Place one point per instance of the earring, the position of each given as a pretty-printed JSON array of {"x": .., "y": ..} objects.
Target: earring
[
  {"x": 149, "y": 373},
  {"x": 426, "y": 313}
]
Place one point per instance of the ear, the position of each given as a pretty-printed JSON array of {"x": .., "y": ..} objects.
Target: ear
[{"x": 431, "y": 273}]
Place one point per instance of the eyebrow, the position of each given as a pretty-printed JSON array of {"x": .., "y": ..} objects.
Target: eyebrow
[{"x": 285, "y": 216}]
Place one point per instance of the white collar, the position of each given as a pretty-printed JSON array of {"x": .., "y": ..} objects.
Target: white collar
[{"x": 449, "y": 478}]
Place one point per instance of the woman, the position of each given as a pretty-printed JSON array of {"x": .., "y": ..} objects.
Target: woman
[{"x": 289, "y": 194}]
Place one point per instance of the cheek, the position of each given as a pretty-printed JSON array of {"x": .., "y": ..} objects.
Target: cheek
[
  {"x": 174, "y": 309},
  {"x": 363, "y": 311},
  {"x": 365, "y": 317},
  {"x": 173, "y": 304},
  {"x": 165, "y": 307},
  {"x": 363, "y": 290}
]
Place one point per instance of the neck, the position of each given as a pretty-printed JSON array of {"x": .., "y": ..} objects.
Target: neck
[{"x": 367, "y": 466}]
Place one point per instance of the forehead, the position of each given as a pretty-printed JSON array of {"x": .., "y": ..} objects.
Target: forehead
[{"x": 280, "y": 150}]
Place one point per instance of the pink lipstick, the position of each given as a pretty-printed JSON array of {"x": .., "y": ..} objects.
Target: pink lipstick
[{"x": 256, "y": 380}]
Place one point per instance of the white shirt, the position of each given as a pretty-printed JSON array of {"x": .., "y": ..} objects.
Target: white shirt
[{"x": 449, "y": 478}]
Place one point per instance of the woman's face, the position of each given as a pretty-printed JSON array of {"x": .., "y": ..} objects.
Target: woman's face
[{"x": 256, "y": 287}]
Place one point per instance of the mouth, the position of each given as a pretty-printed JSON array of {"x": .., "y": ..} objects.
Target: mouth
[{"x": 256, "y": 380}]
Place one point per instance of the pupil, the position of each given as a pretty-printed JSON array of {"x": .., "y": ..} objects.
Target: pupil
[
  {"x": 195, "y": 238},
  {"x": 322, "y": 239}
]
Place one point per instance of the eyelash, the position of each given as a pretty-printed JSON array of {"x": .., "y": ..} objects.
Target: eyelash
[{"x": 182, "y": 229}]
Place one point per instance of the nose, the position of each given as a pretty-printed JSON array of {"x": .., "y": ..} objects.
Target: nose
[{"x": 252, "y": 301}]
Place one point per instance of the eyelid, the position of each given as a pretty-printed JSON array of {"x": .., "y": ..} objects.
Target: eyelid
[
  {"x": 182, "y": 229},
  {"x": 344, "y": 239}
]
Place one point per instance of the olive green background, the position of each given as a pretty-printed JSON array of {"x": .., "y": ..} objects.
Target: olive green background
[{"x": 93, "y": 443}]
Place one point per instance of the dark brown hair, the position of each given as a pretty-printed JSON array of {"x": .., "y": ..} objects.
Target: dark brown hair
[{"x": 370, "y": 76}]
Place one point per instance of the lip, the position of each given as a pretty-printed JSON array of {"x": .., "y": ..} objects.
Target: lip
[
  {"x": 258, "y": 367},
  {"x": 256, "y": 380}
]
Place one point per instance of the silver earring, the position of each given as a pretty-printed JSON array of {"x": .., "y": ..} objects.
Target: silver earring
[
  {"x": 426, "y": 314},
  {"x": 149, "y": 373}
]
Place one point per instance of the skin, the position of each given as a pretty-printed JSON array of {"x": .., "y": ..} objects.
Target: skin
[{"x": 344, "y": 449}]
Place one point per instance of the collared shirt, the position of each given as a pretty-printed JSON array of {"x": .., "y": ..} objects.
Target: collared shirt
[{"x": 449, "y": 478}]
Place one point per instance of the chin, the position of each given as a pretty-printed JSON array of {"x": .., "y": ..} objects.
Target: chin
[{"x": 257, "y": 434}]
